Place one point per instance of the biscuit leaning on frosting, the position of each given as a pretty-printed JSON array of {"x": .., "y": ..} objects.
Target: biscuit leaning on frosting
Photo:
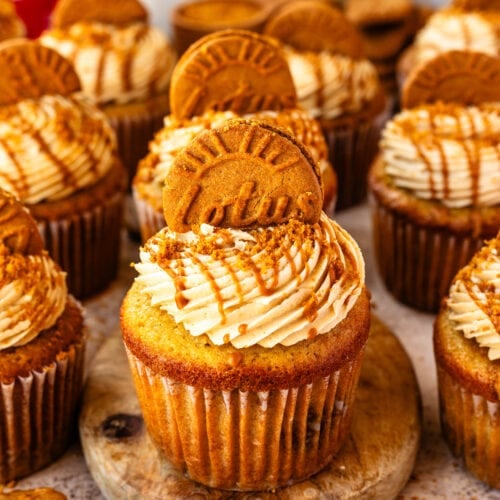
[
  {"x": 30, "y": 70},
  {"x": 460, "y": 76},
  {"x": 244, "y": 174}
]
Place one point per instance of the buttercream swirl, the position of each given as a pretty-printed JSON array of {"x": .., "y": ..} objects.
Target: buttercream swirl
[
  {"x": 116, "y": 64},
  {"x": 453, "y": 29},
  {"x": 177, "y": 134},
  {"x": 274, "y": 285},
  {"x": 33, "y": 295},
  {"x": 474, "y": 299},
  {"x": 331, "y": 85},
  {"x": 52, "y": 147},
  {"x": 446, "y": 152}
]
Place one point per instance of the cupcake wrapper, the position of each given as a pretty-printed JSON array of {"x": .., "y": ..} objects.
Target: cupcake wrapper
[
  {"x": 87, "y": 246},
  {"x": 247, "y": 440},
  {"x": 134, "y": 132},
  {"x": 471, "y": 427},
  {"x": 417, "y": 264},
  {"x": 150, "y": 220},
  {"x": 38, "y": 415},
  {"x": 351, "y": 152}
]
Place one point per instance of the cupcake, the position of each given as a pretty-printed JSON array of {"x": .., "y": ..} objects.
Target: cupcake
[
  {"x": 435, "y": 186},
  {"x": 337, "y": 85},
  {"x": 193, "y": 19},
  {"x": 246, "y": 326},
  {"x": 42, "y": 345},
  {"x": 124, "y": 65},
  {"x": 451, "y": 28},
  {"x": 467, "y": 352},
  {"x": 58, "y": 156},
  {"x": 266, "y": 94}
]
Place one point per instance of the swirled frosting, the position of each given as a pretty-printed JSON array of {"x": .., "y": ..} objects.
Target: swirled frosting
[
  {"x": 331, "y": 85},
  {"x": 446, "y": 152},
  {"x": 274, "y": 285},
  {"x": 453, "y": 29},
  {"x": 176, "y": 134},
  {"x": 474, "y": 299},
  {"x": 32, "y": 296},
  {"x": 116, "y": 64},
  {"x": 52, "y": 147}
]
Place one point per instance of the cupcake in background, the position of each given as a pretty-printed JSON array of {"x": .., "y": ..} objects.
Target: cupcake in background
[
  {"x": 226, "y": 92},
  {"x": 58, "y": 155},
  {"x": 337, "y": 85},
  {"x": 42, "y": 346},
  {"x": 386, "y": 31},
  {"x": 245, "y": 329},
  {"x": 452, "y": 28},
  {"x": 467, "y": 353},
  {"x": 124, "y": 65},
  {"x": 435, "y": 187}
]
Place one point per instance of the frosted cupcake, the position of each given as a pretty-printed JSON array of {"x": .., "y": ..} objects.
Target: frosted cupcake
[
  {"x": 254, "y": 82},
  {"x": 337, "y": 85},
  {"x": 435, "y": 186},
  {"x": 451, "y": 28},
  {"x": 58, "y": 156},
  {"x": 467, "y": 351},
  {"x": 42, "y": 344},
  {"x": 124, "y": 65},
  {"x": 246, "y": 327}
]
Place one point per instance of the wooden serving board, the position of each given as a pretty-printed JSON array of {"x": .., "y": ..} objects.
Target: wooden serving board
[{"x": 375, "y": 462}]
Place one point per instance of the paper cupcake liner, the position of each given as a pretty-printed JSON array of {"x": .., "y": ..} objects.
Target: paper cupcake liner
[
  {"x": 249, "y": 440},
  {"x": 38, "y": 415},
  {"x": 150, "y": 220},
  {"x": 351, "y": 152},
  {"x": 417, "y": 264},
  {"x": 471, "y": 427},
  {"x": 87, "y": 245},
  {"x": 134, "y": 131}
]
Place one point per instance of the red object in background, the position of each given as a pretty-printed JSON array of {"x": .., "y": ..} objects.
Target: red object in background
[{"x": 35, "y": 14}]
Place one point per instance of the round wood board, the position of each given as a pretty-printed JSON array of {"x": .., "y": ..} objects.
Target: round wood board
[{"x": 375, "y": 462}]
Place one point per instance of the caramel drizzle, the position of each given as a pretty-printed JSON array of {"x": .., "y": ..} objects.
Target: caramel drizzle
[{"x": 21, "y": 180}]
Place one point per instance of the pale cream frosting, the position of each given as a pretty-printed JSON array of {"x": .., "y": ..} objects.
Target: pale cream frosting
[
  {"x": 176, "y": 134},
  {"x": 331, "y": 85},
  {"x": 52, "y": 147},
  {"x": 33, "y": 295},
  {"x": 116, "y": 64},
  {"x": 474, "y": 299},
  {"x": 274, "y": 285},
  {"x": 453, "y": 29},
  {"x": 446, "y": 153}
]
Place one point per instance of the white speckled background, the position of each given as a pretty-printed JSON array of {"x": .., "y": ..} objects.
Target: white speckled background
[{"x": 437, "y": 474}]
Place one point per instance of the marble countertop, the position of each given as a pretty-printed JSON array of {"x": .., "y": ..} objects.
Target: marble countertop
[{"x": 437, "y": 473}]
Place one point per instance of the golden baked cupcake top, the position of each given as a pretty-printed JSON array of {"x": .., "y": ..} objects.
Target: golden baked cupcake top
[
  {"x": 324, "y": 54},
  {"x": 11, "y": 25},
  {"x": 118, "y": 58},
  {"x": 33, "y": 289},
  {"x": 256, "y": 261},
  {"x": 53, "y": 141},
  {"x": 474, "y": 299}
]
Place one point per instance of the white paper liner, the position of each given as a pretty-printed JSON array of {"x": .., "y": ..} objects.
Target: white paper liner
[
  {"x": 247, "y": 440},
  {"x": 150, "y": 220},
  {"x": 417, "y": 264},
  {"x": 38, "y": 415},
  {"x": 471, "y": 427},
  {"x": 87, "y": 245}
]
